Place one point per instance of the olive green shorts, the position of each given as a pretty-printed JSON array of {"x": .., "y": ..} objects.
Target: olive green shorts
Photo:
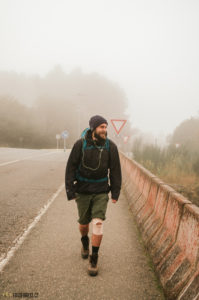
[{"x": 91, "y": 206}]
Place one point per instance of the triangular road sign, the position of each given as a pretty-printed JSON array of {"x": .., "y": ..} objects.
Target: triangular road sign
[{"x": 118, "y": 124}]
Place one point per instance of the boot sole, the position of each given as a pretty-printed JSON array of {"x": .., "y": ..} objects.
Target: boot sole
[
  {"x": 84, "y": 256},
  {"x": 92, "y": 273}
]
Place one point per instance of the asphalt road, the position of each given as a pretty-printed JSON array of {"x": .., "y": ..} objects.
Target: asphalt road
[{"x": 47, "y": 259}]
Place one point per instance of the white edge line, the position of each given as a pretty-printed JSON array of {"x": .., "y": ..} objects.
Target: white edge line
[
  {"x": 32, "y": 156},
  {"x": 197, "y": 297},
  {"x": 9, "y": 162},
  {"x": 5, "y": 258}
]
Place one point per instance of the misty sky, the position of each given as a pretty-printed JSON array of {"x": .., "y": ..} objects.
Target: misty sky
[{"x": 151, "y": 48}]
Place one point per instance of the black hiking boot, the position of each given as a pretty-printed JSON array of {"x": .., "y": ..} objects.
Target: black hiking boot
[
  {"x": 85, "y": 247},
  {"x": 92, "y": 268}
]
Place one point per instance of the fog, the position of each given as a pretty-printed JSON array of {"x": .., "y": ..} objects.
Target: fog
[{"x": 148, "y": 49}]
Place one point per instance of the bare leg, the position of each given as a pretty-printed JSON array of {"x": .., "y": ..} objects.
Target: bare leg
[{"x": 96, "y": 240}]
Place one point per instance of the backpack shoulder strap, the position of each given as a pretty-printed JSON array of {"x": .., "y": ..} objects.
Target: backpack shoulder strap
[
  {"x": 84, "y": 144},
  {"x": 107, "y": 144}
]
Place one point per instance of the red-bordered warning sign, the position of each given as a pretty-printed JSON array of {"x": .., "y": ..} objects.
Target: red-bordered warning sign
[{"x": 118, "y": 124}]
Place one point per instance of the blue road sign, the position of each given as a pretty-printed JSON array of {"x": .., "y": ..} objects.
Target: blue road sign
[{"x": 64, "y": 134}]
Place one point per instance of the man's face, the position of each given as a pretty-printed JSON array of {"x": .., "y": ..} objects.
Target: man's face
[{"x": 101, "y": 131}]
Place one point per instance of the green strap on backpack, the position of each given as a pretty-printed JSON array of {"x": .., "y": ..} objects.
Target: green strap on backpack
[{"x": 85, "y": 147}]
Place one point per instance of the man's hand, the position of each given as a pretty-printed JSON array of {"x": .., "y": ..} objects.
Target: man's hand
[{"x": 114, "y": 201}]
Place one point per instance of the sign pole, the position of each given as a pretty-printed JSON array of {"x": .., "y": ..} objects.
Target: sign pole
[
  {"x": 64, "y": 136},
  {"x": 58, "y": 136}
]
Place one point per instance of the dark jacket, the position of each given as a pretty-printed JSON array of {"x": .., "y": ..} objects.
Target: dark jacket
[{"x": 91, "y": 171}]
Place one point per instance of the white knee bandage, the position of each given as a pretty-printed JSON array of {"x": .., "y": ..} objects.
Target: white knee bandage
[{"x": 97, "y": 226}]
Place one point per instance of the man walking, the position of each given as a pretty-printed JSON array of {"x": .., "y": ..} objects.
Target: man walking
[{"x": 93, "y": 170}]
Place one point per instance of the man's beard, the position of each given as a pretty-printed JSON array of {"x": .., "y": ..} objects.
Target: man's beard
[{"x": 99, "y": 138}]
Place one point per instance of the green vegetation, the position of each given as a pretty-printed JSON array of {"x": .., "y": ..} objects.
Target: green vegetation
[{"x": 178, "y": 163}]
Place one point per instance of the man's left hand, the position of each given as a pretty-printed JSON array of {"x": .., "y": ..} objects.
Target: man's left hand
[{"x": 114, "y": 201}]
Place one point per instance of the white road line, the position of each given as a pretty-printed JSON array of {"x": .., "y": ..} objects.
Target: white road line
[
  {"x": 32, "y": 156},
  {"x": 197, "y": 297},
  {"x": 5, "y": 258}
]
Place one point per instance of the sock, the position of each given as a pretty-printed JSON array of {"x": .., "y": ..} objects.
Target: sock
[
  {"x": 85, "y": 241},
  {"x": 95, "y": 250}
]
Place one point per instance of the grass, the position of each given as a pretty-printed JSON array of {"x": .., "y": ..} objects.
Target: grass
[{"x": 177, "y": 171}]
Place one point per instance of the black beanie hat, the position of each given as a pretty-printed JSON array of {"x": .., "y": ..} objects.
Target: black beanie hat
[{"x": 95, "y": 121}]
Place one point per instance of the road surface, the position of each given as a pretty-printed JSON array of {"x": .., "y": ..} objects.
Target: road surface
[{"x": 40, "y": 242}]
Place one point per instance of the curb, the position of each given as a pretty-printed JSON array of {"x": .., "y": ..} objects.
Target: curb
[{"x": 169, "y": 224}]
